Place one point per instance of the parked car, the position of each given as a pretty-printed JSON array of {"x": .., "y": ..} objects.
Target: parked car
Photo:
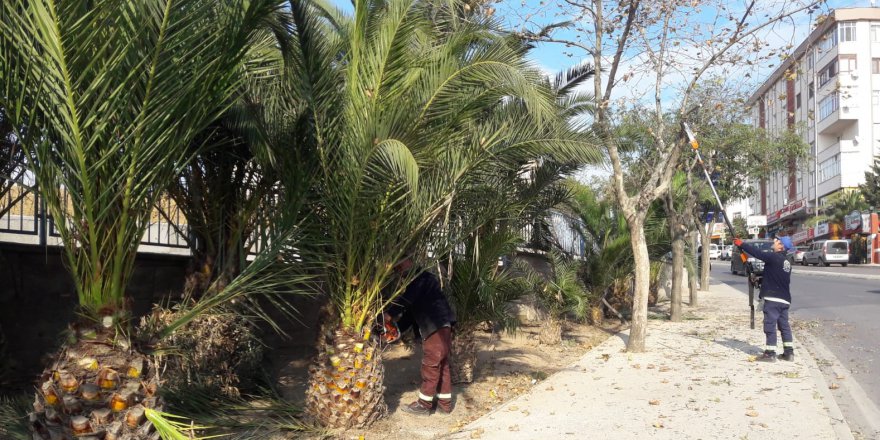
[
  {"x": 827, "y": 252},
  {"x": 714, "y": 251},
  {"x": 799, "y": 253},
  {"x": 752, "y": 264}
]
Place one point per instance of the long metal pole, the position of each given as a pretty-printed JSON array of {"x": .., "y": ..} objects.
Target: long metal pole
[{"x": 696, "y": 147}]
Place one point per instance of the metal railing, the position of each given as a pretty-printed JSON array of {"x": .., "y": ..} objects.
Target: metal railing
[
  {"x": 557, "y": 230},
  {"x": 24, "y": 213}
]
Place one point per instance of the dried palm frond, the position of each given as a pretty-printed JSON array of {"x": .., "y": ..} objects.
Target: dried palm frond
[{"x": 13, "y": 418}]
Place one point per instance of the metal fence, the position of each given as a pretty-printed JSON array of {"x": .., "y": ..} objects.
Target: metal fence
[
  {"x": 557, "y": 230},
  {"x": 24, "y": 213}
]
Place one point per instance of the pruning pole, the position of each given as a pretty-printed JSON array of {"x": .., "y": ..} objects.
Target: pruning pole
[{"x": 695, "y": 145}]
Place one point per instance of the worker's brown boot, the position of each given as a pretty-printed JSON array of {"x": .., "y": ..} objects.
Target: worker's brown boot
[
  {"x": 419, "y": 408},
  {"x": 445, "y": 406}
]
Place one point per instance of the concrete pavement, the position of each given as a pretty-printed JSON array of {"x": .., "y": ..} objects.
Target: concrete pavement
[{"x": 697, "y": 380}]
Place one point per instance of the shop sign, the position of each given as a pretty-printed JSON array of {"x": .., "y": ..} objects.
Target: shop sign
[
  {"x": 793, "y": 208},
  {"x": 852, "y": 222},
  {"x": 756, "y": 220},
  {"x": 774, "y": 217},
  {"x": 821, "y": 230},
  {"x": 800, "y": 237}
]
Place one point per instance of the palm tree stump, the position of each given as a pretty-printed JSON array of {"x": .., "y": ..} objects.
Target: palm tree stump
[
  {"x": 551, "y": 332},
  {"x": 463, "y": 359},
  {"x": 346, "y": 380},
  {"x": 97, "y": 386},
  {"x": 597, "y": 315}
]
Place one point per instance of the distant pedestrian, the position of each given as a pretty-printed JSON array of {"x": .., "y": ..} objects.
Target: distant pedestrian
[
  {"x": 425, "y": 303},
  {"x": 776, "y": 295}
]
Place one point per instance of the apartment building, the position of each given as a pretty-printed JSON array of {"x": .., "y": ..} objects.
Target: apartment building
[{"x": 829, "y": 89}]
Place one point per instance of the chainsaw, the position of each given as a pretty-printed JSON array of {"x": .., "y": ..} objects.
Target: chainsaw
[{"x": 387, "y": 329}]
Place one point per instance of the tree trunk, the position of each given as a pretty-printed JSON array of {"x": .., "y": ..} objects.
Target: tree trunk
[
  {"x": 693, "y": 275},
  {"x": 551, "y": 331},
  {"x": 463, "y": 361},
  {"x": 706, "y": 240},
  {"x": 638, "y": 330},
  {"x": 96, "y": 386},
  {"x": 346, "y": 380},
  {"x": 677, "y": 272}
]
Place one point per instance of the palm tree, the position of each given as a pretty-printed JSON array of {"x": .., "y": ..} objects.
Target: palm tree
[
  {"x": 516, "y": 196},
  {"x": 609, "y": 263},
  {"x": 560, "y": 293},
  {"x": 108, "y": 95},
  {"x": 396, "y": 93},
  {"x": 480, "y": 291},
  {"x": 842, "y": 204}
]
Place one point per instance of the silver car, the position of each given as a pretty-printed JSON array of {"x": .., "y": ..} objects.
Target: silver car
[{"x": 827, "y": 252}]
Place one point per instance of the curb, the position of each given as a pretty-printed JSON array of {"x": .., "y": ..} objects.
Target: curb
[
  {"x": 836, "y": 274},
  {"x": 841, "y": 427},
  {"x": 863, "y": 405}
]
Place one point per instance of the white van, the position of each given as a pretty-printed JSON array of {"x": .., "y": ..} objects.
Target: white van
[
  {"x": 714, "y": 251},
  {"x": 827, "y": 252}
]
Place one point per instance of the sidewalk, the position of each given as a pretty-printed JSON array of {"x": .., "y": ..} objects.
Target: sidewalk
[{"x": 696, "y": 381}]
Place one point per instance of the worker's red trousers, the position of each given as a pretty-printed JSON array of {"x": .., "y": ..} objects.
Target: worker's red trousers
[{"x": 436, "y": 379}]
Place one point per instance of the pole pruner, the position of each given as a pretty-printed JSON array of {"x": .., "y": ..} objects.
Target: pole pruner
[{"x": 695, "y": 145}]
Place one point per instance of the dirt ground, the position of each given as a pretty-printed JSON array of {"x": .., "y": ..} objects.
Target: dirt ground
[{"x": 508, "y": 366}]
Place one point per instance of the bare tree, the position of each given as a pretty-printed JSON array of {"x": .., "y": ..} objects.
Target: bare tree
[{"x": 672, "y": 43}]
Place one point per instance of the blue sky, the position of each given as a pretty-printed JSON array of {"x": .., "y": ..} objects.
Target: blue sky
[{"x": 552, "y": 58}]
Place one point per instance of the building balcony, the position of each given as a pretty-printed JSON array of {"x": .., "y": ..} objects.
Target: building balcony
[{"x": 837, "y": 111}]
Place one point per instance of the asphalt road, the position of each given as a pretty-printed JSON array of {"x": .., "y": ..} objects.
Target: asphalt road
[{"x": 841, "y": 308}]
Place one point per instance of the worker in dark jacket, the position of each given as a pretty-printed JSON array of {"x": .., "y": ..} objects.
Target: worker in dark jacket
[
  {"x": 776, "y": 295},
  {"x": 423, "y": 300}
]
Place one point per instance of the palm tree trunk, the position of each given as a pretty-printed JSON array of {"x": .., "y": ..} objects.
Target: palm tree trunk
[
  {"x": 551, "y": 331},
  {"x": 96, "y": 385},
  {"x": 464, "y": 356},
  {"x": 346, "y": 379}
]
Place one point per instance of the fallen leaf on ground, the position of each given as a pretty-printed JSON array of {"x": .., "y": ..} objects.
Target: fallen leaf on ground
[
  {"x": 650, "y": 366},
  {"x": 658, "y": 424},
  {"x": 654, "y": 402},
  {"x": 833, "y": 386},
  {"x": 752, "y": 413},
  {"x": 513, "y": 428},
  {"x": 478, "y": 433},
  {"x": 840, "y": 377},
  {"x": 637, "y": 366},
  {"x": 664, "y": 369},
  {"x": 513, "y": 408}
]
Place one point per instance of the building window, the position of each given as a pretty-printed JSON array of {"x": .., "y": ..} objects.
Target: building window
[
  {"x": 847, "y": 30},
  {"x": 829, "y": 168},
  {"x": 828, "y": 105},
  {"x": 828, "y": 41},
  {"x": 827, "y": 73},
  {"x": 875, "y": 101},
  {"x": 875, "y": 33},
  {"x": 797, "y": 100},
  {"x": 811, "y": 58},
  {"x": 810, "y": 93},
  {"x": 848, "y": 63},
  {"x": 875, "y": 65}
]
